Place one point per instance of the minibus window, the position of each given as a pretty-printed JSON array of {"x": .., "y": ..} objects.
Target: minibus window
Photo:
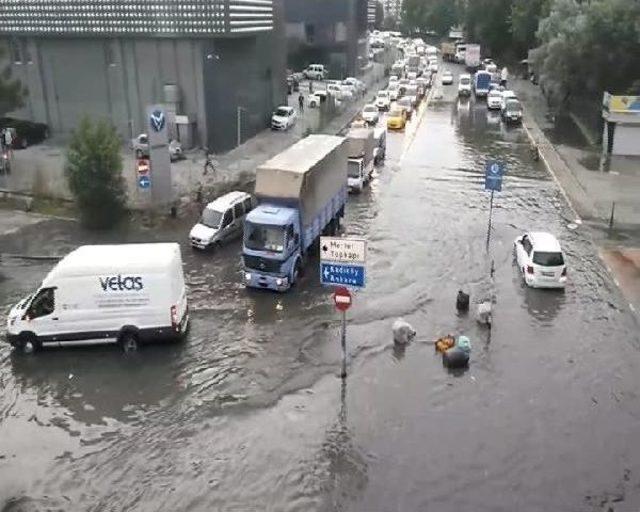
[{"x": 43, "y": 304}]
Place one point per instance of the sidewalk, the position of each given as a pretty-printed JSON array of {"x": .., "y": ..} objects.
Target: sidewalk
[{"x": 576, "y": 166}]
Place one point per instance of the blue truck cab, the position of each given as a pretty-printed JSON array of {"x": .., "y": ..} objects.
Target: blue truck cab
[
  {"x": 481, "y": 83},
  {"x": 301, "y": 195}
]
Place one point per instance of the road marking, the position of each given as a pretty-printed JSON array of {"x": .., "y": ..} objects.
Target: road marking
[{"x": 410, "y": 137}]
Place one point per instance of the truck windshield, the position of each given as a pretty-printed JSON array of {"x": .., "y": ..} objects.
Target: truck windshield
[
  {"x": 353, "y": 169},
  {"x": 260, "y": 237},
  {"x": 465, "y": 80},
  {"x": 211, "y": 218}
]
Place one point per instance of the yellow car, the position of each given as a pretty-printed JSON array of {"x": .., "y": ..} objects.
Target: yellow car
[{"x": 396, "y": 118}]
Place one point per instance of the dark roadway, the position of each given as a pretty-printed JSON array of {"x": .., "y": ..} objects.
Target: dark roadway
[{"x": 248, "y": 414}]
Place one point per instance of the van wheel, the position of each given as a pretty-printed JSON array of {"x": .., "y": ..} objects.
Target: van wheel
[
  {"x": 129, "y": 342},
  {"x": 28, "y": 344}
]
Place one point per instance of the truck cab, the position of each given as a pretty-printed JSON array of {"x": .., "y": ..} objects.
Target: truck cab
[
  {"x": 271, "y": 249},
  {"x": 356, "y": 176}
]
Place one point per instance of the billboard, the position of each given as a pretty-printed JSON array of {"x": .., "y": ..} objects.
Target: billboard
[{"x": 621, "y": 104}]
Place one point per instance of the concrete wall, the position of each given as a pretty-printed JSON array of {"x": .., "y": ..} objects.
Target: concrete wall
[
  {"x": 626, "y": 140},
  {"x": 117, "y": 78},
  {"x": 233, "y": 81}
]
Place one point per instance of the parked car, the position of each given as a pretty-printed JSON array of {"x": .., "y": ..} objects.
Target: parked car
[
  {"x": 140, "y": 146},
  {"x": 397, "y": 118},
  {"x": 380, "y": 151},
  {"x": 24, "y": 133},
  {"x": 370, "y": 114},
  {"x": 347, "y": 92},
  {"x": 315, "y": 72},
  {"x": 541, "y": 261},
  {"x": 447, "y": 78},
  {"x": 393, "y": 79},
  {"x": 464, "y": 85},
  {"x": 433, "y": 68},
  {"x": 382, "y": 100},
  {"x": 512, "y": 111},
  {"x": 221, "y": 220},
  {"x": 394, "y": 91},
  {"x": 283, "y": 118},
  {"x": 411, "y": 92},
  {"x": 357, "y": 85},
  {"x": 507, "y": 95},
  {"x": 494, "y": 100},
  {"x": 406, "y": 103},
  {"x": 412, "y": 76},
  {"x": 316, "y": 99}
]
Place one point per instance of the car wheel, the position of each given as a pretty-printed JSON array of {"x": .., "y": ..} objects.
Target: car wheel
[
  {"x": 296, "y": 273},
  {"x": 129, "y": 342}
]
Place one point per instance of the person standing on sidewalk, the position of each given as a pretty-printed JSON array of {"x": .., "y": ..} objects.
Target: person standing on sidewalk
[{"x": 301, "y": 102}]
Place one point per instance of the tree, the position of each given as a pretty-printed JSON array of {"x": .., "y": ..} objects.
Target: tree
[
  {"x": 11, "y": 91},
  {"x": 587, "y": 48},
  {"x": 487, "y": 22},
  {"x": 525, "y": 18},
  {"x": 424, "y": 15},
  {"x": 94, "y": 173}
]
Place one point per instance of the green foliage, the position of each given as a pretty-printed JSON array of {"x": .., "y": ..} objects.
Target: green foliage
[
  {"x": 587, "y": 48},
  {"x": 94, "y": 173},
  {"x": 11, "y": 91},
  {"x": 488, "y": 22},
  {"x": 424, "y": 15}
]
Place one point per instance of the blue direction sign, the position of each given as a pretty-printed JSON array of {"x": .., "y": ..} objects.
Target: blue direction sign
[
  {"x": 494, "y": 171},
  {"x": 144, "y": 182},
  {"x": 342, "y": 274}
]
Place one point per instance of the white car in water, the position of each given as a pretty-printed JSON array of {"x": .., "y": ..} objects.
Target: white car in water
[
  {"x": 494, "y": 100},
  {"x": 539, "y": 257},
  {"x": 383, "y": 101},
  {"x": 283, "y": 118},
  {"x": 370, "y": 114},
  {"x": 447, "y": 78}
]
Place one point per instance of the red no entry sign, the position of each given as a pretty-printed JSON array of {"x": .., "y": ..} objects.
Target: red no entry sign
[{"x": 342, "y": 298}]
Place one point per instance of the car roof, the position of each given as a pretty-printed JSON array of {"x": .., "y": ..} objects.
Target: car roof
[
  {"x": 222, "y": 203},
  {"x": 285, "y": 107},
  {"x": 545, "y": 242}
]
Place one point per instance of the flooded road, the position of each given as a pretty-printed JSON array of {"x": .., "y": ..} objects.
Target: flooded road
[{"x": 249, "y": 414}]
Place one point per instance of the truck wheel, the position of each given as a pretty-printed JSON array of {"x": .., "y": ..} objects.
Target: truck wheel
[
  {"x": 129, "y": 342},
  {"x": 297, "y": 273}
]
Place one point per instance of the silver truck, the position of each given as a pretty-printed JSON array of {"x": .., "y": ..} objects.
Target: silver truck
[{"x": 360, "y": 146}]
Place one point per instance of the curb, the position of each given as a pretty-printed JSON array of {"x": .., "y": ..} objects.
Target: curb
[{"x": 570, "y": 188}]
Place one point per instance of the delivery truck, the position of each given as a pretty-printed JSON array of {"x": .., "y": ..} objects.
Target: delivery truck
[
  {"x": 448, "y": 51},
  {"x": 301, "y": 195},
  {"x": 360, "y": 146},
  {"x": 127, "y": 294},
  {"x": 472, "y": 57}
]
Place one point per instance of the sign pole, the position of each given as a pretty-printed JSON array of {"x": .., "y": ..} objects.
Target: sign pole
[
  {"x": 344, "y": 345},
  {"x": 490, "y": 214}
]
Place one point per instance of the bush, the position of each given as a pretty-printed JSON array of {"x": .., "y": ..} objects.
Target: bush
[{"x": 94, "y": 173}]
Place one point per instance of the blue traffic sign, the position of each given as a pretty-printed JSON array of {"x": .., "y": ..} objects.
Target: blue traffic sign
[
  {"x": 494, "y": 171},
  {"x": 144, "y": 182},
  {"x": 341, "y": 274}
]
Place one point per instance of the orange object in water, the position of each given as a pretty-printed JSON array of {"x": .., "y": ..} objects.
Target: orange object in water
[{"x": 445, "y": 343}]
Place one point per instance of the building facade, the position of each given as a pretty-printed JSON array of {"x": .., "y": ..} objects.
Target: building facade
[
  {"x": 206, "y": 60},
  {"x": 392, "y": 9},
  {"x": 329, "y": 32}
]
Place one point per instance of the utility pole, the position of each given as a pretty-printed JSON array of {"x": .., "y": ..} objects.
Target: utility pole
[{"x": 239, "y": 126}]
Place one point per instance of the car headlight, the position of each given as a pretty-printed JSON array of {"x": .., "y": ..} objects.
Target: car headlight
[
  {"x": 247, "y": 276},
  {"x": 279, "y": 282}
]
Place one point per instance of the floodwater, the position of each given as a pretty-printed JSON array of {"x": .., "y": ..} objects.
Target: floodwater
[{"x": 248, "y": 413}]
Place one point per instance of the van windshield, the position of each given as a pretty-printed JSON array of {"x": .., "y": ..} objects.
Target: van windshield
[
  {"x": 548, "y": 259},
  {"x": 261, "y": 237},
  {"x": 465, "y": 80},
  {"x": 211, "y": 218}
]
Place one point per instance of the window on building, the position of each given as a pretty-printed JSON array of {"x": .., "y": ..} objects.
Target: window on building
[
  {"x": 15, "y": 50},
  {"x": 109, "y": 53},
  {"x": 26, "y": 53},
  {"x": 310, "y": 32}
]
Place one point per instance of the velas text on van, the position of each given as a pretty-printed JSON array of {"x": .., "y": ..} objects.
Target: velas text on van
[{"x": 120, "y": 283}]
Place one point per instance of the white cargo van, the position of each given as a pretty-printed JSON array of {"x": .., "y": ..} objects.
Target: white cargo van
[
  {"x": 221, "y": 220},
  {"x": 126, "y": 294}
]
